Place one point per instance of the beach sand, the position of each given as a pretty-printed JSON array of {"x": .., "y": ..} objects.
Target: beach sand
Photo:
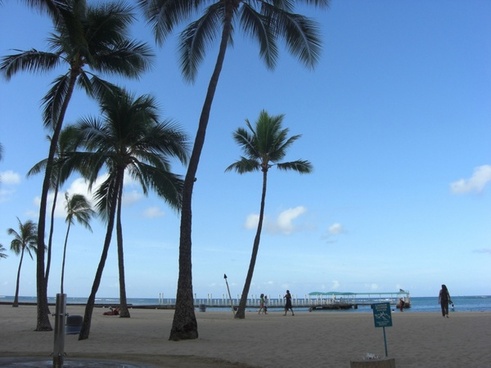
[{"x": 316, "y": 339}]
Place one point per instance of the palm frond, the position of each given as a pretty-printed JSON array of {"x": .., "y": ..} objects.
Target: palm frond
[
  {"x": 78, "y": 208},
  {"x": 164, "y": 15},
  {"x": 54, "y": 99},
  {"x": 254, "y": 24},
  {"x": 128, "y": 58},
  {"x": 300, "y": 166},
  {"x": 32, "y": 61},
  {"x": 244, "y": 165},
  {"x": 196, "y": 37},
  {"x": 301, "y": 34}
]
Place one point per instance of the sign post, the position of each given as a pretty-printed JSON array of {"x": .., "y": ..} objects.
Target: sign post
[
  {"x": 229, "y": 295},
  {"x": 382, "y": 317}
]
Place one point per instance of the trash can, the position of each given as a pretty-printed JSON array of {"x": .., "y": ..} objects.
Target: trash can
[
  {"x": 202, "y": 307},
  {"x": 73, "y": 325}
]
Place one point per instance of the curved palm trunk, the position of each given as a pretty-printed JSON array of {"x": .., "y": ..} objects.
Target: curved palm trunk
[
  {"x": 184, "y": 325},
  {"x": 64, "y": 258},
  {"x": 50, "y": 238},
  {"x": 16, "y": 297},
  {"x": 43, "y": 323},
  {"x": 123, "y": 304},
  {"x": 89, "y": 308},
  {"x": 255, "y": 248}
]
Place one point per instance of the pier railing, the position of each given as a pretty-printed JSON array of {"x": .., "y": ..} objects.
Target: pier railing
[
  {"x": 254, "y": 301},
  {"x": 309, "y": 300}
]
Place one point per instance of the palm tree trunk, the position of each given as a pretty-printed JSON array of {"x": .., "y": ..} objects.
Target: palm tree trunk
[
  {"x": 184, "y": 324},
  {"x": 15, "y": 304},
  {"x": 64, "y": 258},
  {"x": 255, "y": 248},
  {"x": 50, "y": 238},
  {"x": 123, "y": 304},
  {"x": 89, "y": 308},
  {"x": 43, "y": 323}
]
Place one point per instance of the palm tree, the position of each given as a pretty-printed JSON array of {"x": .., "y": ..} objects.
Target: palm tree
[
  {"x": 2, "y": 252},
  {"x": 264, "y": 20},
  {"x": 55, "y": 184},
  {"x": 23, "y": 240},
  {"x": 128, "y": 138},
  {"x": 77, "y": 208},
  {"x": 264, "y": 146},
  {"x": 86, "y": 37}
]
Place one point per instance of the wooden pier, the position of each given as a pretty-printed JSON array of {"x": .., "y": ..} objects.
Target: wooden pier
[{"x": 342, "y": 301}]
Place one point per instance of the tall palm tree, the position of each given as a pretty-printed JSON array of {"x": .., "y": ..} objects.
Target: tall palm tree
[
  {"x": 86, "y": 37},
  {"x": 265, "y": 21},
  {"x": 128, "y": 138},
  {"x": 55, "y": 184},
  {"x": 77, "y": 208},
  {"x": 264, "y": 146},
  {"x": 24, "y": 239}
]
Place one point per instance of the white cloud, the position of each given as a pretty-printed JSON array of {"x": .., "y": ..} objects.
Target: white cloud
[
  {"x": 335, "y": 285},
  {"x": 476, "y": 183},
  {"x": 9, "y": 177},
  {"x": 335, "y": 229},
  {"x": 483, "y": 250},
  {"x": 373, "y": 286},
  {"x": 251, "y": 221},
  {"x": 6, "y": 194},
  {"x": 153, "y": 212},
  {"x": 81, "y": 186},
  {"x": 283, "y": 223},
  {"x": 131, "y": 197}
]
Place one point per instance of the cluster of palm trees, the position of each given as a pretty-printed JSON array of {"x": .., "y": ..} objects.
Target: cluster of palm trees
[{"x": 128, "y": 137}]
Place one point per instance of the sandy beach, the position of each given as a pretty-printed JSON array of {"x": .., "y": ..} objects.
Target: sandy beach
[{"x": 317, "y": 339}]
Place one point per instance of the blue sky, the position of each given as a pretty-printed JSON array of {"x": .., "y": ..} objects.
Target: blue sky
[{"x": 395, "y": 118}]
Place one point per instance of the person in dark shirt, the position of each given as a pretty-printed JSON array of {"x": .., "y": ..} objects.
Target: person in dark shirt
[{"x": 444, "y": 299}]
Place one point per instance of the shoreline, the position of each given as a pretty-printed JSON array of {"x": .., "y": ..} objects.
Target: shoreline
[{"x": 416, "y": 340}]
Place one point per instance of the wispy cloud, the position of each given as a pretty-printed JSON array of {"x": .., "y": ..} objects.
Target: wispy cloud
[
  {"x": 153, "y": 212},
  {"x": 476, "y": 183},
  {"x": 6, "y": 194},
  {"x": 251, "y": 221},
  {"x": 8, "y": 180},
  {"x": 283, "y": 223},
  {"x": 483, "y": 250},
  {"x": 335, "y": 229},
  {"x": 81, "y": 186},
  {"x": 9, "y": 177}
]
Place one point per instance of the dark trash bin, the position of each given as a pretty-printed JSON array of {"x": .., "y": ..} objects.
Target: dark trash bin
[
  {"x": 202, "y": 308},
  {"x": 73, "y": 325}
]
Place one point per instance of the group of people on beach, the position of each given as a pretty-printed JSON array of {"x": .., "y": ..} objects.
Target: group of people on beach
[{"x": 263, "y": 303}]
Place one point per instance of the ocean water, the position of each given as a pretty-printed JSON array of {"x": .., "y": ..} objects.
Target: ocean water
[{"x": 478, "y": 303}]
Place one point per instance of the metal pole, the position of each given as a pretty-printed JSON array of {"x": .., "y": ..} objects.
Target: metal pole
[
  {"x": 229, "y": 295},
  {"x": 385, "y": 343},
  {"x": 59, "y": 343}
]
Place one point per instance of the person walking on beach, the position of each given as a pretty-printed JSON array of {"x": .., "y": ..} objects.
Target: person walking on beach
[
  {"x": 444, "y": 299},
  {"x": 288, "y": 303},
  {"x": 265, "y": 304},
  {"x": 262, "y": 305}
]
